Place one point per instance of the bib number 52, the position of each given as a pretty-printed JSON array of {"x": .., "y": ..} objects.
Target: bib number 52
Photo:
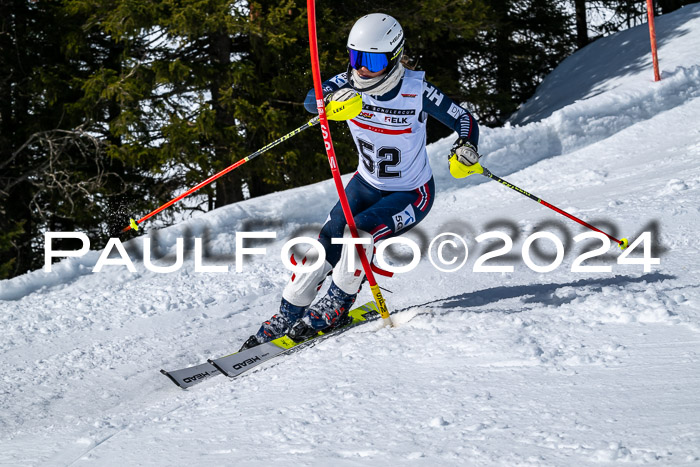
[{"x": 387, "y": 158}]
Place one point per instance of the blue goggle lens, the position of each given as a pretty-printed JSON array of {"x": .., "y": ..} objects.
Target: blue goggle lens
[{"x": 373, "y": 61}]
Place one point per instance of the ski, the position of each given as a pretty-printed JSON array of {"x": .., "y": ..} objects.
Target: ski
[
  {"x": 237, "y": 363},
  {"x": 187, "y": 377}
]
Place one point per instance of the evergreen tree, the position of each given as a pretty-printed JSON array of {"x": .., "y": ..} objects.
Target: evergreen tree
[
  {"x": 48, "y": 169},
  {"x": 55, "y": 131},
  {"x": 522, "y": 42},
  {"x": 107, "y": 107},
  {"x": 439, "y": 35}
]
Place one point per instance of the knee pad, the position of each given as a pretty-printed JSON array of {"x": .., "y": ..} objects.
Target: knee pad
[
  {"x": 303, "y": 287},
  {"x": 348, "y": 273}
]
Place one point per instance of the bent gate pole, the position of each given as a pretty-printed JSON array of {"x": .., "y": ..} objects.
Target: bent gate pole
[{"x": 325, "y": 130}]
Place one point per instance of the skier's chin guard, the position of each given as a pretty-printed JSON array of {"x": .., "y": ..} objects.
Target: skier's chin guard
[{"x": 459, "y": 170}]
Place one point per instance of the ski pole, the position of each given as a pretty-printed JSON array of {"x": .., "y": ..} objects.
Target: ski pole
[
  {"x": 134, "y": 224},
  {"x": 316, "y": 73},
  {"x": 336, "y": 111},
  {"x": 478, "y": 168}
]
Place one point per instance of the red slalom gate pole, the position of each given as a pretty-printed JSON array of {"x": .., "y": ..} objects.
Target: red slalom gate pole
[
  {"x": 325, "y": 130},
  {"x": 652, "y": 37}
]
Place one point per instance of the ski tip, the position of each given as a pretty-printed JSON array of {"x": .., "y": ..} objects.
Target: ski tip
[
  {"x": 624, "y": 243},
  {"x": 133, "y": 224}
]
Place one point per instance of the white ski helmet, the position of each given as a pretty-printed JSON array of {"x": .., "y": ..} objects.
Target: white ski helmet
[
  {"x": 376, "y": 42},
  {"x": 379, "y": 34}
]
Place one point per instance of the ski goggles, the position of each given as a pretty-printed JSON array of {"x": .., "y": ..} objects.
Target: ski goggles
[{"x": 373, "y": 61}]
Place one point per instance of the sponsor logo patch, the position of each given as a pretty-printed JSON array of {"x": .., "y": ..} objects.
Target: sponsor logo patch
[
  {"x": 404, "y": 218},
  {"x": 433, "y": 94},
  {"x": 364, "y": 114},
  {"x": 384, "y": 110},
  {"x": 409, "y": 95},
  {"x": 455, "y": 111},
  {"x": 339, "y": 79},
  {"x": 399, "y": 120},
  {"x": 246, "y": 362},
  {"x": 196, "y": 377}
]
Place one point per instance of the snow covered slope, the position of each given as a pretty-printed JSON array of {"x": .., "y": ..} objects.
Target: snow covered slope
[{"x": 484, "y": 368}]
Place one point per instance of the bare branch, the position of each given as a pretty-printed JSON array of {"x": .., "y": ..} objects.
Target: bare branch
[{"x": 56, "y": 155}]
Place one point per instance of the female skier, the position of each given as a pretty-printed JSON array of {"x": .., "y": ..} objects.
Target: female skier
[{"x": 392, "y": 190}]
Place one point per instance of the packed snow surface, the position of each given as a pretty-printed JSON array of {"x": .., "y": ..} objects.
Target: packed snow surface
[{"x": 482, "y": 368}]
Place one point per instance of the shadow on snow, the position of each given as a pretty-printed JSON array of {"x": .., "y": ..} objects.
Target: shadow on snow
[{"x": 543, "y": 294}]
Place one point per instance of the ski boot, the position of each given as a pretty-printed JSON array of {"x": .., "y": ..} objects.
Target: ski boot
[
  {"x": 275, "y": 327},
  {"x": 327, "y": 314}
]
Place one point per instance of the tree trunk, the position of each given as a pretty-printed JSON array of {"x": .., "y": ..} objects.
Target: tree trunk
[
  {"x": 228, "y": 190},
  {"x": 228, "y": 187},
  {"x": 581, "y": 24},
  {"x": 502, "y": 59}
]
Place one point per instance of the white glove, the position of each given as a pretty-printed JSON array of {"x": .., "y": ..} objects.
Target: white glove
[
  {"x": 342, "y": 94},
  {"x": 465, "y": 151}
]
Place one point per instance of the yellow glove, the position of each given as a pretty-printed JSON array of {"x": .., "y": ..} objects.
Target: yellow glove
[
  {"x": 464, "y": 159},
  {"x": 343, "y": 104}
]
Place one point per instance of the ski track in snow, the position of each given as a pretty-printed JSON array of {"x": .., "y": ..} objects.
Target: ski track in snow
[{"x": 521, "y": 368}]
